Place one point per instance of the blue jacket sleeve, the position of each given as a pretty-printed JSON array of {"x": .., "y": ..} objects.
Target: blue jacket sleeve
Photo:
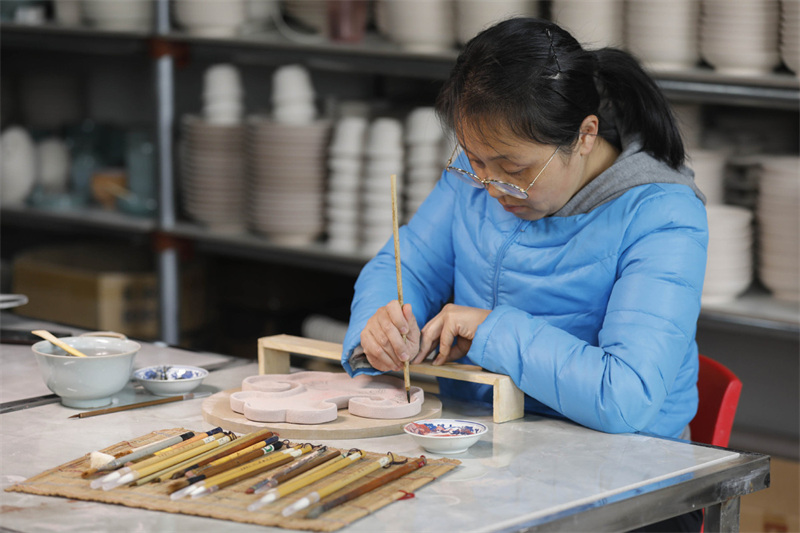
[
  {"x": 426, "y": 253},
  {"x": 648, "y": 330}
]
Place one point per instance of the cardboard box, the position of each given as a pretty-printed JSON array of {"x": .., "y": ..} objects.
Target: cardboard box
[
  {"x": 777, "y": 508},
  {"x": 102, "y": 287}
]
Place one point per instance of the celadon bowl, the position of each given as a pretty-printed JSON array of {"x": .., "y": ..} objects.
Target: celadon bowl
[{"x": 87, "y": 382}]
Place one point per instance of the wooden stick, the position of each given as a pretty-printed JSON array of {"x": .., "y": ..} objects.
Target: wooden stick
[
  {"x": 396, "y": 233},
  {"x": 87, "y": 414}
]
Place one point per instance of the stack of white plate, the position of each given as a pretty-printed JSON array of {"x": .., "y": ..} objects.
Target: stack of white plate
[
  {"x": 286, "y": 179},
  {"x": 123, "y": 15},
  {"x": 777, "y": 209},
  {"x": 212, "y": 182},
  {"x": 210, "y": 18},
  {"x": 709, "y": 172},
  {"x": 729, "y": 270},
  {"x": 345, "y": 156},
  {"x": 740, "y": 38},
  {"x": 663, "y": 33},
  {"x": 417, "y": 25},
  {"x": 594, "y": 23},
  {"x": 384, "y": 157},
  {"x": 424, "y": 163},
  {"x": 474, "y": 16},
  {"x": 790, "y": 34}
]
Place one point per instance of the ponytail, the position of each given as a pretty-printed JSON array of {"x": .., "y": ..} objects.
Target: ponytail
[
  {"x": 533, "y": 77},
  {"x": 639, "y": 105}
]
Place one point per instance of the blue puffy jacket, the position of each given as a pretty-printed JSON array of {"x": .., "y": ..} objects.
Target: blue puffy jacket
[{"x": 593, "y": 315}]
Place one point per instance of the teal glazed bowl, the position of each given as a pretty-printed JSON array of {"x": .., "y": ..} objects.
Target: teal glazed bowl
[{"x": 87, "y": 382}]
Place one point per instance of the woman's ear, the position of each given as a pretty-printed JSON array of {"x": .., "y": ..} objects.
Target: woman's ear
[{"x": 588, "y": 134}]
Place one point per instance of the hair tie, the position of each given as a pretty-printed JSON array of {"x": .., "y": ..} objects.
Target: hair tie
[{"x": 553, "y": 54}]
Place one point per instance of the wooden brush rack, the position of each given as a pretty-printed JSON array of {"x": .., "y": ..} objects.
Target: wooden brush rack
[{"x": 508, "y": 402}]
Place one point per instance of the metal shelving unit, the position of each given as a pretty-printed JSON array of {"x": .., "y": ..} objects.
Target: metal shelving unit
[{"x": 374, "y": 56}]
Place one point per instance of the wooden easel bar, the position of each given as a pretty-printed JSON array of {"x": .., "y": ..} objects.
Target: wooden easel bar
[{"x": 274, "y": 352}]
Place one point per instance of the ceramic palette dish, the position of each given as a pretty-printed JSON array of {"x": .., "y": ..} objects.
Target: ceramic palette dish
[
  {"x": 170, "y": 380},
  {"x": 445, "y": 435}
]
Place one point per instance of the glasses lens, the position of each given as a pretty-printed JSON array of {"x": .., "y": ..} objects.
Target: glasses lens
[
  {"x": 466, "y": 178},
  {"x": 510, "y": 190}
]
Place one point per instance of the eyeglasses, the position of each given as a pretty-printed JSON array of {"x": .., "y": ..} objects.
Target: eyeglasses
[{"x": 505, "y": 188}]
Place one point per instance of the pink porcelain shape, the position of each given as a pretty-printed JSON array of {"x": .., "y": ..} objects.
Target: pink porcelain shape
[{"x": 315, "y": 397}]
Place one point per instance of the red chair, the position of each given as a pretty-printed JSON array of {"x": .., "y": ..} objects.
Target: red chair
[{"x": 718, "y": 389}]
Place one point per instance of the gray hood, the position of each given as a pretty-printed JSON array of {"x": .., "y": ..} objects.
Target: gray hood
[{"x": 632, "y": 168}]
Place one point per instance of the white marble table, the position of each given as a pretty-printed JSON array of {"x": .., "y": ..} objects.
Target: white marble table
[{"x": 528, "y": 474}]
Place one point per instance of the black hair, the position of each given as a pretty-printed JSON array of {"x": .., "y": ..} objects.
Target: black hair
[{"x": 532, "y": 77}]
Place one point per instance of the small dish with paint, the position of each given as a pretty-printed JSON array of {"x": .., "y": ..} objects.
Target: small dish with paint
[
  {"x": 170, "y": 380},
  {"x": 445, "y": 435}
]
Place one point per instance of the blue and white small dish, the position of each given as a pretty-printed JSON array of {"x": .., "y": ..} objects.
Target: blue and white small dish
[
  {"x": 170, "y": 380},
  {"x": 445, "y": 435}
]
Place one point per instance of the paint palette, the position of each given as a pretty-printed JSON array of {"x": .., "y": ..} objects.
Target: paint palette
[
  {"x": 444, "y": 435},
  {"x": 170, "y": 380}
]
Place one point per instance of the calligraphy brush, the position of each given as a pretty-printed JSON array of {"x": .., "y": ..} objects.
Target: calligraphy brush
[
  {"x": 242, "y": 442},
  {"x": 187, "y": 396},
  {"x": 143, "y": 451},
  {"x": 396, "y": 233},
  {"x": 333, "y": 486},
  {"x": 235, "y": 475},
  {"x": 175, "y": 487},
  {"x": 314, "y": 459},
  {"x": 317, "y": 509},
  {"x": 306, "y": 479}
]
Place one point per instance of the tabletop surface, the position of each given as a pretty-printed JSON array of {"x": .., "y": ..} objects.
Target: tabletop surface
[{"x": 519, "y": 472}]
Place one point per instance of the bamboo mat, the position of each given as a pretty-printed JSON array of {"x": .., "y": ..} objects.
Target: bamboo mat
[{"x": 229, "y": 503}]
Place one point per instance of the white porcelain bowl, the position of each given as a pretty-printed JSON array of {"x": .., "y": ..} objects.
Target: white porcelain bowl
[
  {"x": 445, "y": 435},
  {"x": 87, "y": 382},
  {"x": 170, "y": 380}
]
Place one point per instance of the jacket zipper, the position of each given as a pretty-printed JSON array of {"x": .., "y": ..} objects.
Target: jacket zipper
[{"x": 500, "y": 254}]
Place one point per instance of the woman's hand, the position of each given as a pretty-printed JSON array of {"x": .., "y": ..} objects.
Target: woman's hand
[
  {"x": 382, "y": 338},
  {"x": 453, "y": 323}
]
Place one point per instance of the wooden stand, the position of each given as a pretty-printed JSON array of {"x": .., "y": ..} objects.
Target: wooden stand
[{"x": 274, "y": 352}]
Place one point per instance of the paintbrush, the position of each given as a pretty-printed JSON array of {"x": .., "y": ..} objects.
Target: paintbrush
[
  {"x": 396, "y": 233},
  {"x": 352, "y": 477},
  {"x": 345, "y": 496},
  {"x": 188, "y": 396}
]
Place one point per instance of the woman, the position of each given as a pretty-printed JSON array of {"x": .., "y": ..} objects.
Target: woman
[{"x": 566, "y": 232}]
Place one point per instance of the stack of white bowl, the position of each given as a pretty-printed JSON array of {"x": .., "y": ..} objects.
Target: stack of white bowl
[
  {"x": 663, "y": 33},
  {"x": 17, "y": 165},
  {"x": 345, "y": 165},
  {"x": 790, "y": 34},
  {"x": 594, "y": 23},
  {"x": 424, "y": 163},
  {"x": 384, "y": 157},
  {"x": 729, "y": 270},
  {"x": 293, "y": 95},
  {"x": 709, "y": 172},
  {"x": 474, "y": 16},
  {"x": 740, "y": 38},
  {"x": 777, "y": 212},
  {"x": 123, "y": 15},
  {"x": 212, "y": 178},
  {"x": 286, "y": 179},
  {"x": 223, "y": 95},
  {"x": 210, "y": 18},
  {"x": 417, "y": 25}
]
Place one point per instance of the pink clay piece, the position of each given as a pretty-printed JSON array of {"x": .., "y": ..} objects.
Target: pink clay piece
[{"x": 315, "y": 397}]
